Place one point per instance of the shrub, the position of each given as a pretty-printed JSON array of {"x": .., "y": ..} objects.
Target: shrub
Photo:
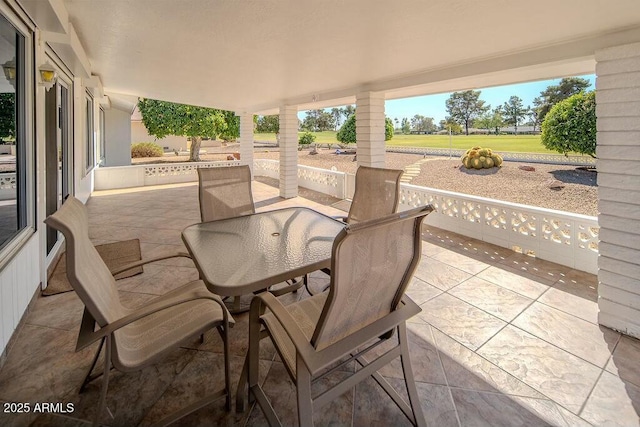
[
  {"x": 481, "y": 158},
  {"x": 306, "y": 138},
  {"x": 347, "y": 133},
  {"x": 146, "y": 149},
  {"x": 570, "y": 125}
]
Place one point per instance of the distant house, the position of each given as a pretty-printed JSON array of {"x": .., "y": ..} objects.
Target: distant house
[{"x": 522, "y": 130}]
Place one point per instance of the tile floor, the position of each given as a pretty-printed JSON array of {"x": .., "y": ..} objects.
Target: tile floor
[{"x": 502, "y": 339}]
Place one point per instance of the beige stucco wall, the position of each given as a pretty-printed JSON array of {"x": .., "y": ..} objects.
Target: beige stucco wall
[{"x": 139, "y": 134}]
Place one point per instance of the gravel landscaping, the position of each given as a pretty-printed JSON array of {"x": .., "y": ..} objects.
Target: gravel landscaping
[{"x": 579, "y": 192}]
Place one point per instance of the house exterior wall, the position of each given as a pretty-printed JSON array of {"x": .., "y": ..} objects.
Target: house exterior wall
[
  {"x": 169, "y": 143},
  {"x": 118, "y": 131},
  {"x": 618, "y": 152}
]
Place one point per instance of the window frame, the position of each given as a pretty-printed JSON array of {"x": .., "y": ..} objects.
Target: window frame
[
  {"x": 26, "y": 168},
  {"x": 101, "y": 136},
  {"x": 90, "y": 140}
]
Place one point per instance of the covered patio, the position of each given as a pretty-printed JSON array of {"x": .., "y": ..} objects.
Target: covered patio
[{"x": 502, "y": 339}]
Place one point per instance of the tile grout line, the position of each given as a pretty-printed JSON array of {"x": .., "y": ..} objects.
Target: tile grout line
[
  {"x": 444, "y": 372},
  {"x": 604, "y": 369}
]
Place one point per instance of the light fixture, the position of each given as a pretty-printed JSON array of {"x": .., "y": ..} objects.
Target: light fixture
[
  {"x": 48, "y": 76},
  {"x": 9, "y": 69}
]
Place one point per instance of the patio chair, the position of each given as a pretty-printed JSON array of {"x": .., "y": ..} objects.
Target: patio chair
[
  {"x": 372, "y": 264},
  {"x": 134, "y": 338},
  {"x": 225, "y": 192},
  {"x": 377, "y": 194}
]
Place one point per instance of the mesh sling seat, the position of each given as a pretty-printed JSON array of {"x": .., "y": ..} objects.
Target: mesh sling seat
[
  {"x": 372, "y": 264},
  {"x": 134, "y": 338},
  {"x": 225, "y": 192},
  {"x": 377, "y": 194}
]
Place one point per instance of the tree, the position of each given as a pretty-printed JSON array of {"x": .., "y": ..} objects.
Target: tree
[
  {"x": 553, "y": 94},
  {"x": 405, "y": 126},
  {"x": 347, "y": 133},
  {"x": 497, "y": 119},
  {"x": 337, "y": 115},
  {"x": 7, "y": 115},
  {"x": 570, "y": 125},
  {"x": 231, "y": 130},
  {"x": 162, "y": 118},
  {"x": 532, "y": 113},
  {"x": 269, "y": 124},
  {"x": 465, "y": 107},
  {"x": 422, "y": 124},
  {"x": 449, "y": 125},
  {"x": 348, "y": 111},
  {"x": 318, "y": 121},
  {"x": 513, "y": 112}
]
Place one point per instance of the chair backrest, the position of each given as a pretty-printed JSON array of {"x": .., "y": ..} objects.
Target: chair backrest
[
  {"x": 371, "y": 266},
  {"x": 87, "y": 273},
  {"x": 377, "y": 194},
  {"x": 225, "y": 192}
]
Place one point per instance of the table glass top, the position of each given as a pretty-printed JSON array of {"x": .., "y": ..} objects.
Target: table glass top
[{"x": 245, "y": 254}]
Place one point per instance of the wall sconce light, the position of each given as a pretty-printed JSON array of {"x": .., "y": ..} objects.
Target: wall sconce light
[
  {"x": 48, "y": 76},
  {"x": 9, "y": 69}
]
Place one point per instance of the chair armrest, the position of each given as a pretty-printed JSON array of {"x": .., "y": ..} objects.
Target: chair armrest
[
  {"x": 150, "y": 309},
  {"x": 342, "y": 218},
  {"x": 147, "y": 261},
  {"x": 406, "y": 309},
  {"x": 299, "y": 339}
]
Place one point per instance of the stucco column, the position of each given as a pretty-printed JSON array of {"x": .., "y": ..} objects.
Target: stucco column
[
  {"x": 288, "y": 152},
  {"x": 246, "y": 139},
  {"x": 618, "y": 152},
  {"x": 370, "y": 129}
]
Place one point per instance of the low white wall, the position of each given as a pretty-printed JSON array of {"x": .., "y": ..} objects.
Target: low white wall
[
  {"x": 562, "y": 237},
  {"x": 108, "y": 178},
  {"x": 325, "y": 181},
  {"x": 8, "y": 186}
]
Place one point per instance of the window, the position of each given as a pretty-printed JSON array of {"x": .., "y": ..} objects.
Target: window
[
  {"x": 90, "y": 151},
  {"x": 13, "y": 145}
]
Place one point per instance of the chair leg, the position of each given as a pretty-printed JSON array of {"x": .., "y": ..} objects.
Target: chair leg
[
  {"x": 414, "y": 400},
  {"x": 303, "y": 388},
  {"x": 87, "y": 378},
  {"x": 105, "y": 382},
  {"x": 227, "y": 380}
]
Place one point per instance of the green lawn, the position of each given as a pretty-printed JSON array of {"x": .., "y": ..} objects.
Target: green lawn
[{"x": 520, "y": 143}]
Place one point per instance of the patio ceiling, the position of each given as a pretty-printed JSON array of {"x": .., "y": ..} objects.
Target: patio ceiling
[{"x": 257, "y": 55}]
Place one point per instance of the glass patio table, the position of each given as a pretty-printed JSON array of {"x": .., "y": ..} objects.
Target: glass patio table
[{"x": 237, "y": 256}]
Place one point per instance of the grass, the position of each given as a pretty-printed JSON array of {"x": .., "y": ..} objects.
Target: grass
[{"x": 520, "y": 143}]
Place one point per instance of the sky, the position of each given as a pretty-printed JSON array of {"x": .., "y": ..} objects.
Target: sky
[{"x": 434, "y": 105}]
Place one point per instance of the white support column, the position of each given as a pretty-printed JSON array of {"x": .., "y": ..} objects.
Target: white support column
[
  {"x": 246, "y": 139},
  {"x": 288, "y": 152},
  {"x": 370, "y": 129},
  {"x": 618, "y": 151}
]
